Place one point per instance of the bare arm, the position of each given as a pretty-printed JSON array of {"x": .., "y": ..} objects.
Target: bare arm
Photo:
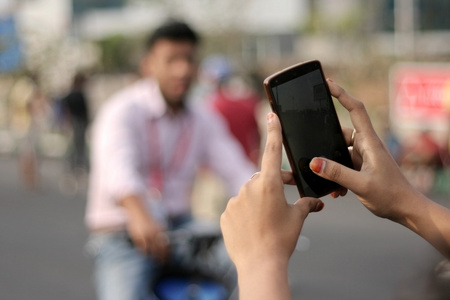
[
  {"x": 147, "y": 234},
  {"x": 429, "y": 220},
  {"x": 264, "y": 280},
  {"x": 379, "y": 183}
]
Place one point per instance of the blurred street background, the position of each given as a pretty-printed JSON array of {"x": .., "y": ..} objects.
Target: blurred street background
[{"x": 394, "y": 55}]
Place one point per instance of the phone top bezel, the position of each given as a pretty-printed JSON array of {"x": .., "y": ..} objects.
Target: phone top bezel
[{"x": 292, "y": 72}]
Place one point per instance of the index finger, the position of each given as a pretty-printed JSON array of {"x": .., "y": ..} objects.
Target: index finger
[
  {"x": 271, "y": 159},
  {"x": 358, "y": 114}
]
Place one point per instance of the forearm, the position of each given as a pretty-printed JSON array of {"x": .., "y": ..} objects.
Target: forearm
[
  {"x": 264, "y": 280},
  {"x": 137, "y": 210},
  {"x": 429, "y": 220},
  {"x": 146, "y": 232},
  {"x": 132, "y": 204}
]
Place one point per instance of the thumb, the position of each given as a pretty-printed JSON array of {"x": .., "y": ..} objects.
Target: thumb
[
  {"x": 307, "y": 205},
  {"x": 336, "y": 172}
]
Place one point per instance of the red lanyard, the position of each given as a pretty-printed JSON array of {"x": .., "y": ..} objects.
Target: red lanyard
[{"x": 158, "y": 170}]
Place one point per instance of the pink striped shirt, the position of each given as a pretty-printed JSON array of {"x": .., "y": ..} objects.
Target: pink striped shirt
[{"x": 135, "y": 137}]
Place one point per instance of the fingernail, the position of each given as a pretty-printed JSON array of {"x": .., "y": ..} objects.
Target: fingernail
[
  {"x": 330, "y": 80},
  {"x": 270, "y": 118},
  {"x": 319, "y": 206},
  {"x": 317, "y": 165}
]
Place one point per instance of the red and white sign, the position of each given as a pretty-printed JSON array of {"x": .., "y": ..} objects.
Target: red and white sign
[{"x": 420, "y": 95}]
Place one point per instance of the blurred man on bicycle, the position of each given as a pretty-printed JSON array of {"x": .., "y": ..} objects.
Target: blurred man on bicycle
[{"x": 146, "y": 145}]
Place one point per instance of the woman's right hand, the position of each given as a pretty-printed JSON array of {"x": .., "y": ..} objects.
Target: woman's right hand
[
  {"x": 379, "y": 183},
  {"x": 376, "y": 180}
]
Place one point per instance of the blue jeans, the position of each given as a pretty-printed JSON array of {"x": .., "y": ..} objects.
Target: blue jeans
[
  {"x": 121, "y": 271},
  {"x": 124, "y": 273}
]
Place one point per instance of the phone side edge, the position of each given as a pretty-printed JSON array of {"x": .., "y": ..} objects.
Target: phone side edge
[{"x": 272, "y": 103}]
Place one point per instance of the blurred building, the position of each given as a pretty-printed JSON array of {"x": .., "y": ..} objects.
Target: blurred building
[
  {"x": 43, "y": 41},
  {"x": 55, "y": 38},
  {"x": 270, "y": 32},
  {"x": 254, "y": 31},
  {"x": 10, "y": 55}
]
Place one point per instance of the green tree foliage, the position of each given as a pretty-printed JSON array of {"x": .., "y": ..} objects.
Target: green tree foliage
[{"x": 118, "y": 54}]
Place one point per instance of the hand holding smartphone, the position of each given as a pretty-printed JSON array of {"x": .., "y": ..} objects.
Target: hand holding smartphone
[{"x": 300, "y": 96}]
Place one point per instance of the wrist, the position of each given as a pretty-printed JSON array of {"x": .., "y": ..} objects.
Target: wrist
[
  {"x": 412, "y": 205},
  {"x": 132, "y": 204},
  {"x": 261, "y": 264},
  {"x": 136, "y": 209},
  {"x": 264, "y": 279}
]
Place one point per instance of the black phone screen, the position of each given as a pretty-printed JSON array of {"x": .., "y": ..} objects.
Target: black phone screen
[{"x": 310, "y": 125}]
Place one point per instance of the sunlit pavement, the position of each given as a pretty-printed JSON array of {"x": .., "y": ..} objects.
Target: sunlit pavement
[{"x": 346, "y": 252}]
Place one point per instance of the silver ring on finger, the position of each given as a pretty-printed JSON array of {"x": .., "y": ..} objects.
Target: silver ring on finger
[
  {"x": 254, "y": 174},
  {"x": 352, "y": 140}
]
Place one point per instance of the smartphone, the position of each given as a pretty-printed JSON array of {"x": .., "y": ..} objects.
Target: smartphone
[{"x": 300, "y": 96}]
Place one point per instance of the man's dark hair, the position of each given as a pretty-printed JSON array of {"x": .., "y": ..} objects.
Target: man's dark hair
[{"x": 174, "y": 31}]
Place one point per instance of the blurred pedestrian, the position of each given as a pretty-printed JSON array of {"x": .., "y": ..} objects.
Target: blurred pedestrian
[
  {"x": 393, "y": 143},
  {"x": 147, "y": 142},
  {"x": 75, "y": 110},
  {"x": 233, "y": 97},
  {"x": 421, "y": 160},
  {"x": 30, "y": 116}
]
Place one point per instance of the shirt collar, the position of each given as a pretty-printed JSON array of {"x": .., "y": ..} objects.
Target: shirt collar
[{"x": 154, "y": 100}]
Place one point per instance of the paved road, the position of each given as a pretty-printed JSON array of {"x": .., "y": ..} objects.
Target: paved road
[
  {"x": 354, "y": 255},
  {"x": 351, "y": 254},
  {"x": 41, "y": 239}
]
